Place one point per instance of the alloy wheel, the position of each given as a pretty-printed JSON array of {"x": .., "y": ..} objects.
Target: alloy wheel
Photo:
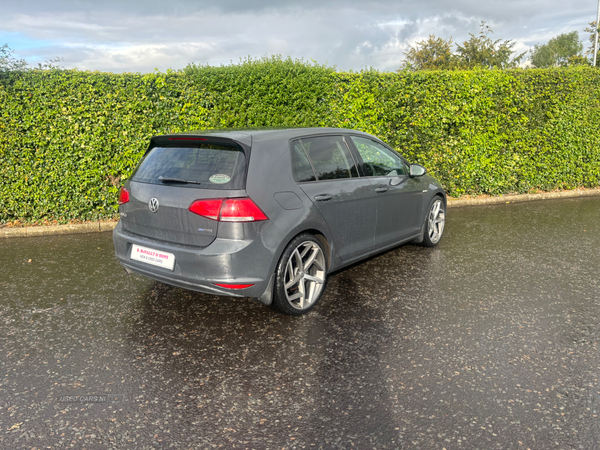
[
  {"x": 304, "y": 275},
  {"x": 437, "y": 219}
]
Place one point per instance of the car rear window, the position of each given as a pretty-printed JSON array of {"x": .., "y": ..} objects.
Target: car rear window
[{"x": 204, "y": 166}]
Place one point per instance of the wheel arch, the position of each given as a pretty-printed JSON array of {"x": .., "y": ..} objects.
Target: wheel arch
[{"x": 319, "y": 235}]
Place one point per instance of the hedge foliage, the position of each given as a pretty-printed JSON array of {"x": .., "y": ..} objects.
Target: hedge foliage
[{"x": 68, "y": 138}]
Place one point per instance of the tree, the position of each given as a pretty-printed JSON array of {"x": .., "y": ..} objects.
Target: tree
[
  {"x": 590, "y": 51},
  {"x": 482, "y": 51},
  {"x": 560, "y": 51},
  {"x": 578, "y": 60},
  {"x": 8, "y": 63},
  {"x": 431, "y": 54}
]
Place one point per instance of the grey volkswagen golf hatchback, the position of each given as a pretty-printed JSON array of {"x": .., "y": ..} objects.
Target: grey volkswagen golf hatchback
[{"x": 269, "y": 214}]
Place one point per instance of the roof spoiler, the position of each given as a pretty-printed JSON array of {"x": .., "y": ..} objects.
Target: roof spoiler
[{"x": 242, "y": 140}]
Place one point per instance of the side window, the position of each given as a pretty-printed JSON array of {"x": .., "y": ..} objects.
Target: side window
[
  {"x": 378, "y": 160},
  {"x": 301, "y": 167},
  {"x": 330, "y": 157}
]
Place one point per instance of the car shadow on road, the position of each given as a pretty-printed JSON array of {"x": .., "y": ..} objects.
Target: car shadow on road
[{"x": 235, "y": 371}]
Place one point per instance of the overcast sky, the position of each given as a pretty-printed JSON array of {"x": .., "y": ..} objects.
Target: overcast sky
[{"x": 141, "y": 35}]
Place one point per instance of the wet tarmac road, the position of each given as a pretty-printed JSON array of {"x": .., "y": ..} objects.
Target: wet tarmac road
[{"x": 490, "y": 340}]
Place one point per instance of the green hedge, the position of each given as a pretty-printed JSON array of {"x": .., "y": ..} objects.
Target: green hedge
[{"x": 69, "y": 138}]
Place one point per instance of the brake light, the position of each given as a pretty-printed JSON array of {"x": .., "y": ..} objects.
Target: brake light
[
  {"x": 186, "y": 139},
  {"x": 228, "y": 210},
  {"x": 123, "y": 196},
  {"x": 234, "y": 286}
]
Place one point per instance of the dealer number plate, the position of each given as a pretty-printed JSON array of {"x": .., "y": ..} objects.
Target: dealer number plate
[{"x": 154, "y": 257}]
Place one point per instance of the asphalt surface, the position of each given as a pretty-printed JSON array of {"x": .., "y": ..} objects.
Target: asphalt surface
[{"x": 488, "y": 341}]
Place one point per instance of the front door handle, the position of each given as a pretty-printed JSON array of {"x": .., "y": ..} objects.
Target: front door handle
[
  {"x": 323, "y": 197},
  {"x": 381, "y": 189}
]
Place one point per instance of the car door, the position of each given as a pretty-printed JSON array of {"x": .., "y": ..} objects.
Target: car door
[
  {"x": 325, "y": 170},
  {"x": 399, "y": 197}
]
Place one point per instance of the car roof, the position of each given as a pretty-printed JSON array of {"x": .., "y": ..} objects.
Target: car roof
[{"x": 250, "y": 135}]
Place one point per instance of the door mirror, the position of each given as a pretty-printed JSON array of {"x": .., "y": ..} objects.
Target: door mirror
[{"x": 417, "y": 170}]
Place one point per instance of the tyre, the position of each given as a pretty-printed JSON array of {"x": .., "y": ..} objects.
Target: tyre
[
  {"x": 301, "y": 276},
  {"x": 434, "y": 223}
]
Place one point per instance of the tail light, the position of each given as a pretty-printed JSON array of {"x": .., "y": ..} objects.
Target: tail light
[
  {"x": 241, "y": 210},
  {"x": 228, "y": 210},
  {"x": 123, "y": 196},
  {"x": 207, "y": 208}
]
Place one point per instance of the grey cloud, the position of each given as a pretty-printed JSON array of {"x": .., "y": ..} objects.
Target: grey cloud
[{"x": 351, "y": 34}]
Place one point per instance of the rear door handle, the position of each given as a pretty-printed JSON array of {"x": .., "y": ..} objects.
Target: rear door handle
[
  {"x": 323, "y": 197},
  {"x": 381, "y": 189}
]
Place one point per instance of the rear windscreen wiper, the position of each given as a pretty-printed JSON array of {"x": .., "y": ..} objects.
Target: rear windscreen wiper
[{"x": 176, "y": 180}]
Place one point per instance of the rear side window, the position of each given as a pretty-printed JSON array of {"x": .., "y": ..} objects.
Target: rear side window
[
  {"x": 301, "y": 167},
  {"x": 328, "y": 155},
  {"x": 204, "y": 166}
]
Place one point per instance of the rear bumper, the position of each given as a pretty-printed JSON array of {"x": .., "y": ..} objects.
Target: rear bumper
[{"x": 199, "y": 269}]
